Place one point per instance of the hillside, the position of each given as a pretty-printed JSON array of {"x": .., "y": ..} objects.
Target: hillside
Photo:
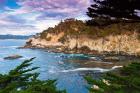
[{"x": 74, "y": 36}]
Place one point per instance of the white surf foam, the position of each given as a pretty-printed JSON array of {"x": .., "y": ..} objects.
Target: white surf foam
[
  {"x": 86, "y": 69},
  {"x": 115, "y": 67},
  {"x": 95, "y": 58},
  {"x": 91, "y": 69}
]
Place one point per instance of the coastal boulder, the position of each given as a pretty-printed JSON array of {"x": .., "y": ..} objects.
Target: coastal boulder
[{"x": 12, "y": 57}]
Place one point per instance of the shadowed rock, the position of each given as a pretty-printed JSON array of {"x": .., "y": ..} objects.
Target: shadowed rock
[{"x": 12, "y": 57}]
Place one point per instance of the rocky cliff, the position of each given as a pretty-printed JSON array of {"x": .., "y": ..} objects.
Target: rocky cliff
[{"x": 75, "y": 36}]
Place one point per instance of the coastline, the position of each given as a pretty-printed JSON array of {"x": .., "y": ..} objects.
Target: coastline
[
  {"x": 112, "y": 43},
  {"x": 105, "y": 60},
  {"x": 80, "y": 51},
  {"x": 105, "y": 56}
]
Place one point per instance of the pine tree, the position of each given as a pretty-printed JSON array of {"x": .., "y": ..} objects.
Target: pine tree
[
  {"x": 106, "y": 10},
  {"x": 126, "y": 81},
  {"x": 22, "y": 80}
]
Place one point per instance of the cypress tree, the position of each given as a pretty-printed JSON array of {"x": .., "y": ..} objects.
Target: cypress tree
[
  {"x": 114, "y": 9},
  {"x": 23, "y": 80},
  {"x": 127, "y": 80}
]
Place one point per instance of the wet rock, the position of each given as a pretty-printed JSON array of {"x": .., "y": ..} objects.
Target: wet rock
[
  {"x": 12, "y": 57},
  {"x": 111, "y": 58}
]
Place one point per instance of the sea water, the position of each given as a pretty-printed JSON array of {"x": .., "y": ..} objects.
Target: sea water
[{"x": 69, "y": 75}]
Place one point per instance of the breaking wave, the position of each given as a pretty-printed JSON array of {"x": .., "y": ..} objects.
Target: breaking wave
[{"x": 91, "y": 69}]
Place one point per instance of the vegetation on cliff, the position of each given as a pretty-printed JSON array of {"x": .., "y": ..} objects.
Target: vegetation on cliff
[{"x": 74, "y": 28}]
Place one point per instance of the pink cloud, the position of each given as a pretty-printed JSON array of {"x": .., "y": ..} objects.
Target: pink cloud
[{"x": 59, "y": 6}]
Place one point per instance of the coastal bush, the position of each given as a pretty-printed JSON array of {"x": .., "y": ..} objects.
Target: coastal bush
[
  {"x": 85, "y": 49},
  {"x": 126, "y": 80},
  {"x": 43, "y": 35},
  {"x": 23, "y": 80},
  {"x": 139, "y": 37}
]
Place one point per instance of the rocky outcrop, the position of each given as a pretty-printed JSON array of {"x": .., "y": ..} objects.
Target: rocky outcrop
[
  {"x": 128, "y": 44},
  {"x": 119, "y": 43},
  {"x": 12, "y": 57},
  {"x": 43, "y": 43},
  {"x": 75, "y": 37}
]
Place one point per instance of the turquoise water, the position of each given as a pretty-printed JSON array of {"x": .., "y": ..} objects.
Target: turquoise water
[{"x": 52, "y": 65}]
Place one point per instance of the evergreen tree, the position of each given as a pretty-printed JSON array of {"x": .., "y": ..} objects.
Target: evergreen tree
[
  {"x": 127, "y": 80},
  {"x": 22, "y": 80},
  {"x": 114, "y": 9}
]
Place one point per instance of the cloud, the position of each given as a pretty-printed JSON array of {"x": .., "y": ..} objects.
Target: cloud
[
  {"x": 32, "y": 16},
  {"x": 64, "y": 8}
]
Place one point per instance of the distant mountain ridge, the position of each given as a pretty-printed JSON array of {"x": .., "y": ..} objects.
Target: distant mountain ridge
[{"x": 14, "y": 36}]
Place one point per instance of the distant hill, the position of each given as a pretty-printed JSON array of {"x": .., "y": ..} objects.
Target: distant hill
[{"x": 14, "y": 37}]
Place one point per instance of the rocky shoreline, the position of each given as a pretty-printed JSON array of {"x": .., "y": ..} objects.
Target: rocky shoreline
[
  {"x": 75, "y": 37},
  {"x": 95, "y": 59},
  {"x": 86, "y": 45},
  {"x": 83, "y": 50},
  {"x": 105, "y": 56}
]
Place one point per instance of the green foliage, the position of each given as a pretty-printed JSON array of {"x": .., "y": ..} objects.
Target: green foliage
[
  {"x": 69, "y": 26},
  {"x": 127, "y": 80},
  {"x": 43, "y": 35},
  {"x": 73, "y": 28},
  {"x": 106, "y": 12},
  {"x": 22, "y": 80},
  {"x": 119, "y": 9},
  {"x": 139, "y": 37}
]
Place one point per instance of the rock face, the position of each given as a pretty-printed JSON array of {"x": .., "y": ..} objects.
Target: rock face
[
  {"x": 129, "y": 44},
  {"x": 72, "y": 40},
  {"x": 119, "y": 43},
  {"x": 43, "y": 43}
]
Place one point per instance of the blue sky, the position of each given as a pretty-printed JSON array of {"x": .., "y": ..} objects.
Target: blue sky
[{"x": 32, "y": 16}]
